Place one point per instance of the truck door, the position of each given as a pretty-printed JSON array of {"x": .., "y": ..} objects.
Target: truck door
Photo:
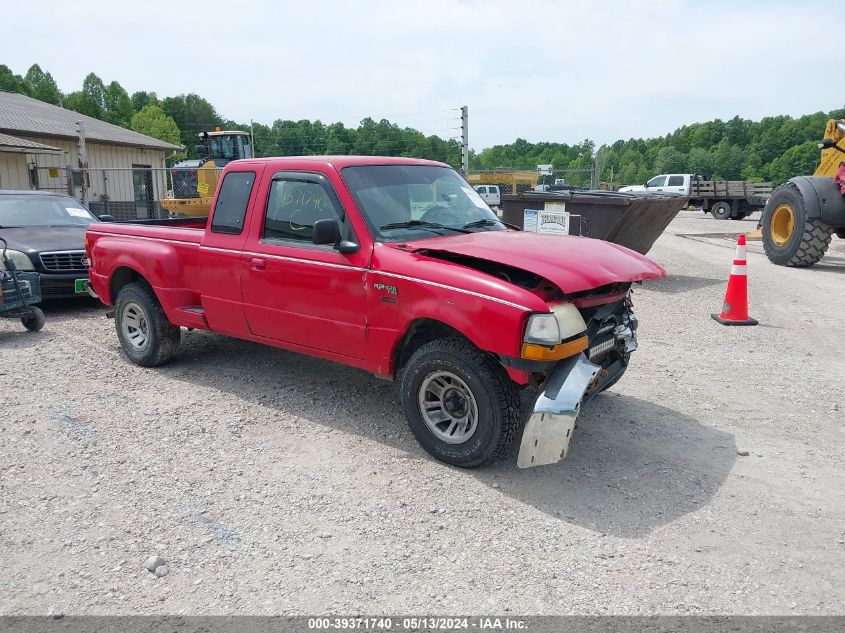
[
  {"x": 657, "y": 183},
  {"x": 221, "y": 252},
  {"x": 293, "y": 290},
  {"x": 494, "y": 196},
  {"x": 676, "y": 183}
]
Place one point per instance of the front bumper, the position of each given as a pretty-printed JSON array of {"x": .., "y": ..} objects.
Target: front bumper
[
  {"x": 574, "y": 380},
  {"x": 548, "y": 431},
  {"x": 61, "y": 285}
]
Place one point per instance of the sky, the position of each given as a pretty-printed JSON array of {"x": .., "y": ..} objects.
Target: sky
[{"x": 540, "y": 70}]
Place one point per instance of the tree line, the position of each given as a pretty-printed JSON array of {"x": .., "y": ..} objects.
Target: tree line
[
  {"x": 772, "y": 149},
  {"x": 179, "y": 119}
]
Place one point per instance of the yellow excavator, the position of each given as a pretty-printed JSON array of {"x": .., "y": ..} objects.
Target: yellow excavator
[{"x": 804, "y": 213}]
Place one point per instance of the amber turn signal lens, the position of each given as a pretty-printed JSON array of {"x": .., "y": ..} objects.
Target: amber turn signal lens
[{"x": 554, "y": 352}]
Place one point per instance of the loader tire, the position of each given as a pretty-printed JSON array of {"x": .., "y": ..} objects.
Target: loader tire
[
  {"x": 146, "y": 335},
  {"x": 790, "y": 238}
]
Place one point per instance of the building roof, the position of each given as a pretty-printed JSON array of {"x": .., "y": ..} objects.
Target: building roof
[
  {"x": 10, "y": 143},
  {"x": 20, "y": 114}
]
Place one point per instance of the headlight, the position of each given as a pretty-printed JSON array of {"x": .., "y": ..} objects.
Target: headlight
[
  {"x": 21, "y": 260},
  {"x": 542, "y": 329},
  {"x": 569, "y": 320},
  {"x": 551, "y": 337}
]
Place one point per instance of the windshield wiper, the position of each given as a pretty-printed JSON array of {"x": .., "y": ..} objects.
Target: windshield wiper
[
  {"x": 489, "y": 222},
  {"x": 5, "y": 226},
  {"x": 410, "y": 224}
]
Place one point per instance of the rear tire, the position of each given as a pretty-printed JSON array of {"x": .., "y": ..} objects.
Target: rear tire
[
  {"x": 449, "y": 380},
  {"x": 35, "y": 320},
  {"x": 789, "y": 237},
  {"x": 721, "y": 210},
  {"x": 145, "y": 334}
]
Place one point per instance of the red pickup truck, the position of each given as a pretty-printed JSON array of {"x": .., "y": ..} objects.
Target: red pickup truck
[{"x": 395, "y": 266}]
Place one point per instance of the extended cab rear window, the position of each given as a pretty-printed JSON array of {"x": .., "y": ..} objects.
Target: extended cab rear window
[{"x": 232, "y": 200}]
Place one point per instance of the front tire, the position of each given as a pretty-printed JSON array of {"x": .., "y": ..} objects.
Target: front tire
[
  {"x": 790, "y": 238},
  {"x": 460, "y": 403},
  {"x": 145, "y": 334}
]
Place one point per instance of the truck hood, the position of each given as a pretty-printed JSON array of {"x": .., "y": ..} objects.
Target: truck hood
[
  {"x": 631, "y": 188},
  {"x": 573, "y": 264}
]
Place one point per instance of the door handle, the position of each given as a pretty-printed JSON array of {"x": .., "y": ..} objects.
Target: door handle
[{"x": 258, "y": 263}]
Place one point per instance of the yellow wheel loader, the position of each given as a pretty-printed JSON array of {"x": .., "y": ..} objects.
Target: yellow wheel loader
[
  {"x": 195, "y": 180},
  {"x": 803, "y": 214}
]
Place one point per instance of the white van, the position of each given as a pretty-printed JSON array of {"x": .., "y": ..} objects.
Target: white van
[{"x": 490, "y": 194}]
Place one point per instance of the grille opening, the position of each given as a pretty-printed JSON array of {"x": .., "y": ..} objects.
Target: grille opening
[{"x": 65, "y": 261}]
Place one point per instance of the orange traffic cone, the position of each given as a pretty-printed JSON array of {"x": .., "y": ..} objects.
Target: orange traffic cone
[{"x": 735, "y": 309}]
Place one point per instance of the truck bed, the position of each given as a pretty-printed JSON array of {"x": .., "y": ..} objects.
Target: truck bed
[
  {"x": 173, "y": 246},
  {"x": 729, "y": 189}
]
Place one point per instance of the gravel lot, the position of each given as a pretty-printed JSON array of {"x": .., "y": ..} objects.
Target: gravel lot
[{"x": 275, "y": 483}]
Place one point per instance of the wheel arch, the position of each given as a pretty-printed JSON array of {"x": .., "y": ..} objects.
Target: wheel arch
[
  {"x": 822, "y": 199},
  {"x": 419, "y": 332},
  {"x": 122, "y": 276}
]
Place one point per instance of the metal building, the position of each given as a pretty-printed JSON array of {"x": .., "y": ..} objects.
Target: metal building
[{"x": 112, "y": 169}]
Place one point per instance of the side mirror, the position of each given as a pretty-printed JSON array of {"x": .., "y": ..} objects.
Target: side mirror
[
  {"x": 327, "y": 231},
  {"x": 105, "y": 218}
]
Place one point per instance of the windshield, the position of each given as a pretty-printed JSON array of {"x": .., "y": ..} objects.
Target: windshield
[
  {"x": 42, "y": 211},
  {"x": 230, "y": 146},
  {"x": 420, "y": 197},
  {"x": 223, "y": 147}
]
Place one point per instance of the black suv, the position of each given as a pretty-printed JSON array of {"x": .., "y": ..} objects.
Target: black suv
[{"x": 46, "y": 233}]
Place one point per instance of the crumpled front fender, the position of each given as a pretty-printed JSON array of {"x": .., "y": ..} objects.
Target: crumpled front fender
[{"x": 548, "y": 431}]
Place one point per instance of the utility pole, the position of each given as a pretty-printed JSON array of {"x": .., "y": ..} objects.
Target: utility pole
[
  {"x": 596, "y": 170},
  {"x": 82, "y": 159},
  {"x": 465, "y": 140}
]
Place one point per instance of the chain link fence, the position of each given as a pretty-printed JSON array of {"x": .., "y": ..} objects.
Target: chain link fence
[
  {"x": 135, "y": 193},
  {"x": 139, "y": 193},
  {"x": 513, "y": 181}
]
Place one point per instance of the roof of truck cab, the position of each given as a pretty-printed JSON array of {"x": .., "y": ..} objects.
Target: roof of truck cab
[{"x": 341, "y": 161}]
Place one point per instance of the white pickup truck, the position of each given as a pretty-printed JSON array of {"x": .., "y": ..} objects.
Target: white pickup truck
[
  {"x": 723, "y": 199},
  {"x": 490, "y": 194}
]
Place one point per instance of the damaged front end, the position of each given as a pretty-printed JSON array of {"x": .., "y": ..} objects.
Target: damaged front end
[{"x": 575, "y": 380}]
